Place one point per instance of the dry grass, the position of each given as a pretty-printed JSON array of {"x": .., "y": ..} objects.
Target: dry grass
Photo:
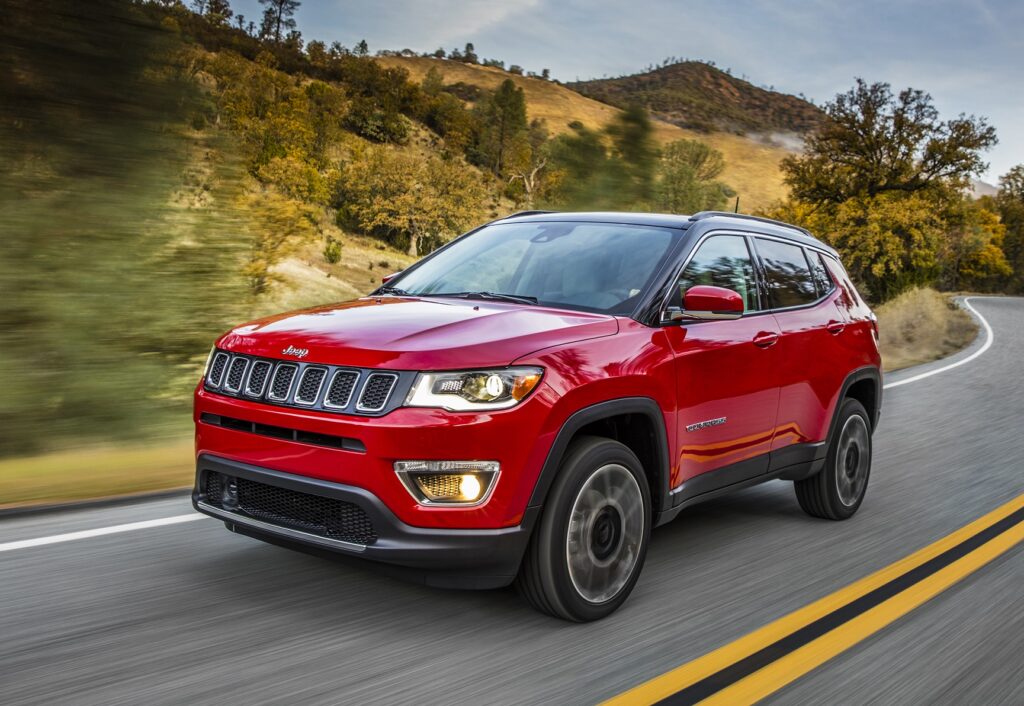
[
  {"x": 922, "y": 325},
  {"x": 752, "y": 166},
  {"x": 96, "y": 473}
]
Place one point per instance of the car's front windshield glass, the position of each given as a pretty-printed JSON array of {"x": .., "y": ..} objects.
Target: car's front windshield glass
[{"x": 599, "y": 267}]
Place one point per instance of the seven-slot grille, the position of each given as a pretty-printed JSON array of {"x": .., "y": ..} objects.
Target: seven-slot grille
[
  {"x": 315, "y": 514},
  {"x": 310, "y": 385}
]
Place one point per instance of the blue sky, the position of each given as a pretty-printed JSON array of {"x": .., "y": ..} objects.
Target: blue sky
[{"x": 969, "y": 54}]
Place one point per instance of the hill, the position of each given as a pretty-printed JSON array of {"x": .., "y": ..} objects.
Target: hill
[
  {"x": 752, "y": 163},
  {"x": 699, "y": 96}
]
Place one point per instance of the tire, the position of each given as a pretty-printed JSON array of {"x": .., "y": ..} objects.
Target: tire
[
  {"x": 836, "y": 492},
  {"x": 587, "y": 552}
]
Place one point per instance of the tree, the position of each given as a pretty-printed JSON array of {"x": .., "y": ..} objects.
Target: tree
[
  {"x": 503, "y": 116},
  {"x": 439, "y": 53},
  {"x": 408, "y": 199},
  {"x": 1009, "y": 203},
  {"x": 874, "y": 142},
  {"x": 362, "y": 49},
  {"x": 528, "y": 161},
  {"x": 469, "y": 55},
  {"x": 278, "y": 18},
  {"x": 633, "y": 139},
  {"x": 688, "y": 178},
  {"x": 218, "y": 12},
  {"x": 545, "y": 74}
]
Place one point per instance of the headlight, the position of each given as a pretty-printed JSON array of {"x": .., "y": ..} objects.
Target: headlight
[
  {"x": 474, "y": 390},
  {"x": 209, "y": 359}
]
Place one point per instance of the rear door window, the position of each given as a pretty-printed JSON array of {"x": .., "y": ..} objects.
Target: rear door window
[{"x": 787, "y": 273}]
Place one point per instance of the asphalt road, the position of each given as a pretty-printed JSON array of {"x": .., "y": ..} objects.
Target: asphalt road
[{"x": 189, "y": 613}]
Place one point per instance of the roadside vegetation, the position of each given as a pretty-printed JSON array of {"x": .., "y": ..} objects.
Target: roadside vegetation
[
  {"x": 921, "y": 325},
  {"x": 171, "y": 169}
]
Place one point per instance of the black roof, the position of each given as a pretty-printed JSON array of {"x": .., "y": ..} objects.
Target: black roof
[{"x": 708, "y": 219}]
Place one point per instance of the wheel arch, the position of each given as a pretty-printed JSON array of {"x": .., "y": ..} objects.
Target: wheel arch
[
  {"x": 865, "y": 386},
  {"x": 636, "y": 422}
]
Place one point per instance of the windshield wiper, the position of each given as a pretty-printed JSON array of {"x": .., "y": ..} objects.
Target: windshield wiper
[
  {"x": 392, "y": 290},
  {"x": 491, "y": 296}
]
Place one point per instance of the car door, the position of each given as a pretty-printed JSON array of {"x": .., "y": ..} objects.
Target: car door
[
  {"x": 726, "y": 373},
  {"x": 803, "y": 299}
]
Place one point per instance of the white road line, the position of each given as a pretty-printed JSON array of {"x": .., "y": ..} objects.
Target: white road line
[
  {"x": 988, "y": 344},
  {"x": 178, "y": 519},
  {"x": 85, "y": 534}
]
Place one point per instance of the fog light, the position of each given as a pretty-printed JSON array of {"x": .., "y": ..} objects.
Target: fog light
[
  {"x": 229, "y": 494},
  {"x": 448, "y": 482}
]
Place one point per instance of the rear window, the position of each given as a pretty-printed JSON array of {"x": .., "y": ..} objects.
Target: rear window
[{"x": 787, "y": 273}]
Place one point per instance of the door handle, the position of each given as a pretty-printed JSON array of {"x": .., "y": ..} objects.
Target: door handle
[
  {"x": 764, "y": 339},
  {"x": 835, "y": 327}
]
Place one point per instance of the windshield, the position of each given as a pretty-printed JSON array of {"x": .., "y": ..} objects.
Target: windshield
[{"x": 600, "y": 267}]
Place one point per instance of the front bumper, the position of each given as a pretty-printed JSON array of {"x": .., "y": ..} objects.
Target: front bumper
[{"x": 464, "y": 558}]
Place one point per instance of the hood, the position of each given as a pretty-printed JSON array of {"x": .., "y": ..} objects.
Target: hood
[{"x": 415, "y": 333}]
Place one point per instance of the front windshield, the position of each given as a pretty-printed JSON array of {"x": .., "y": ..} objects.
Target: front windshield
[{"x": 600, "y": 267}]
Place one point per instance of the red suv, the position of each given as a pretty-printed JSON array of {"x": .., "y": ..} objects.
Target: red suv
[{"x": 527, "y": 402}]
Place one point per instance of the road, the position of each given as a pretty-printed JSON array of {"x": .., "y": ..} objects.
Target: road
[{"x": 190, "y": 613}]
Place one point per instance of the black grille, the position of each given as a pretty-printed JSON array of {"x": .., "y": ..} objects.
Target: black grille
[
  {"x": 217, "y": 369},
  {"x": 258, "y": 378},
  {"x": 309, "y": 385},
  {"x": 323, "y": 387},
  {"x": 376, "y": 391},
  {"x": 340, "y": 392},
  {"x": 282, "y": 382},
  {"x": 326, "y": 517},
  {"x": 236, "y": 371}
]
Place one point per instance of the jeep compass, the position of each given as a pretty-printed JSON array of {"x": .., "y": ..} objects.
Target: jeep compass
[{"x": 527, "y": 402}]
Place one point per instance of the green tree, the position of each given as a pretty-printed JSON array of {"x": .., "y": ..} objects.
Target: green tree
[
  {"x": 875, "y": 142},
  {"x": 278, "y": 18},
  {"x": 503, "y": 118},
  {"x": 407, "y": 199},
  {"x": 632, "y": 137},
  {"x": 688, "y": 178},
  {"x": 362, "y": 49},
  {"x": 469, "y": 55},
  {"x": 1010, "y": 206},
  {"x": 218, "y": 12}
]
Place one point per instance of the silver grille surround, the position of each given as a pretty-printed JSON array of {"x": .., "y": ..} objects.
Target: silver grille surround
[
  {"x": 387, "y": 397},
  {"x": 351, "y": 390},
  {"x": 219, "y": 359},
  {"x": 371, "y": 392},
  {"x": 249, "y": 391},
  {"x": 309, "y": 401},
  {"x": 226, "y": 384}
]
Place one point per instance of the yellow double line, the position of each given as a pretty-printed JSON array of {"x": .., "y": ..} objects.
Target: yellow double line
[{"x": 762, "y": 662}]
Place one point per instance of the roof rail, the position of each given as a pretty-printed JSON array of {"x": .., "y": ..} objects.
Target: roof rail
[
  {"x": 524, "y": 213},
  {"x": 710, "y": 214}
]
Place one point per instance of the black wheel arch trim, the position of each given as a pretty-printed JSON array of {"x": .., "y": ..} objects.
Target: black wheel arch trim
[
  {"x": 594, "y": 413},
  {"x": 868, "y": 372}
]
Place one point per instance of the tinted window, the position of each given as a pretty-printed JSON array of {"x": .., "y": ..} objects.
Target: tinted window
[
  {"x": 822, "y": 279},
  {"x": 599, "y": 267},
  {"x": 787, "y": 273},
  {"x": 722, "y": 261}
]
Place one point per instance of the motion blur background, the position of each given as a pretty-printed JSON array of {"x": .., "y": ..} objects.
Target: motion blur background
[{"x": 171, "y": 169}]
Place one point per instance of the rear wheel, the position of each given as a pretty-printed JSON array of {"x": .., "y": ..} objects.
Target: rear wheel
[
  {"x": 585, "y": 556},
  {"x": 837, "y": 491}
]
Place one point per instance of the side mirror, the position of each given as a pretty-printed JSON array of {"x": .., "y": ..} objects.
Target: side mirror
[
  {"x": 388, "y": 278},
  {"x": 707, "y": 303}
]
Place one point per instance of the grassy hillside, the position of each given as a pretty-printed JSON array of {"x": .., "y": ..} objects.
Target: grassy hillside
[
  {"x": 699, "y": 96},
  {"x": 752, "y": 165}
]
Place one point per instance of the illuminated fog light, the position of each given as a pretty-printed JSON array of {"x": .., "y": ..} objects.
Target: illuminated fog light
[
  {"x": 470, "y": 487},
  {"x": 494, "y": 386},
  {"x": 448, "y": 482}
]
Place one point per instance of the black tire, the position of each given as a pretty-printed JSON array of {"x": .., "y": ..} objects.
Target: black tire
[
  {"x": 598, "y": 480},
  {"x": 837, "y": 491}
]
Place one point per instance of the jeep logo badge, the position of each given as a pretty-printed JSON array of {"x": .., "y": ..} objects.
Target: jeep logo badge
[{"x": 297, "y": 352}]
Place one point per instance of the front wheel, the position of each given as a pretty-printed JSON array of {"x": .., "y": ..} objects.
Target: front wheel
[
  {"x": 838, "y": 489},
  {"x": 586, "y": 554}
]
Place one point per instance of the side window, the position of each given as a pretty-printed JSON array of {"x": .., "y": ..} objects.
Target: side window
[
  {"x": 822, "y": 279},
  {"x": 722, "y": 261},
  {"x": 787, "y": 273}
]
